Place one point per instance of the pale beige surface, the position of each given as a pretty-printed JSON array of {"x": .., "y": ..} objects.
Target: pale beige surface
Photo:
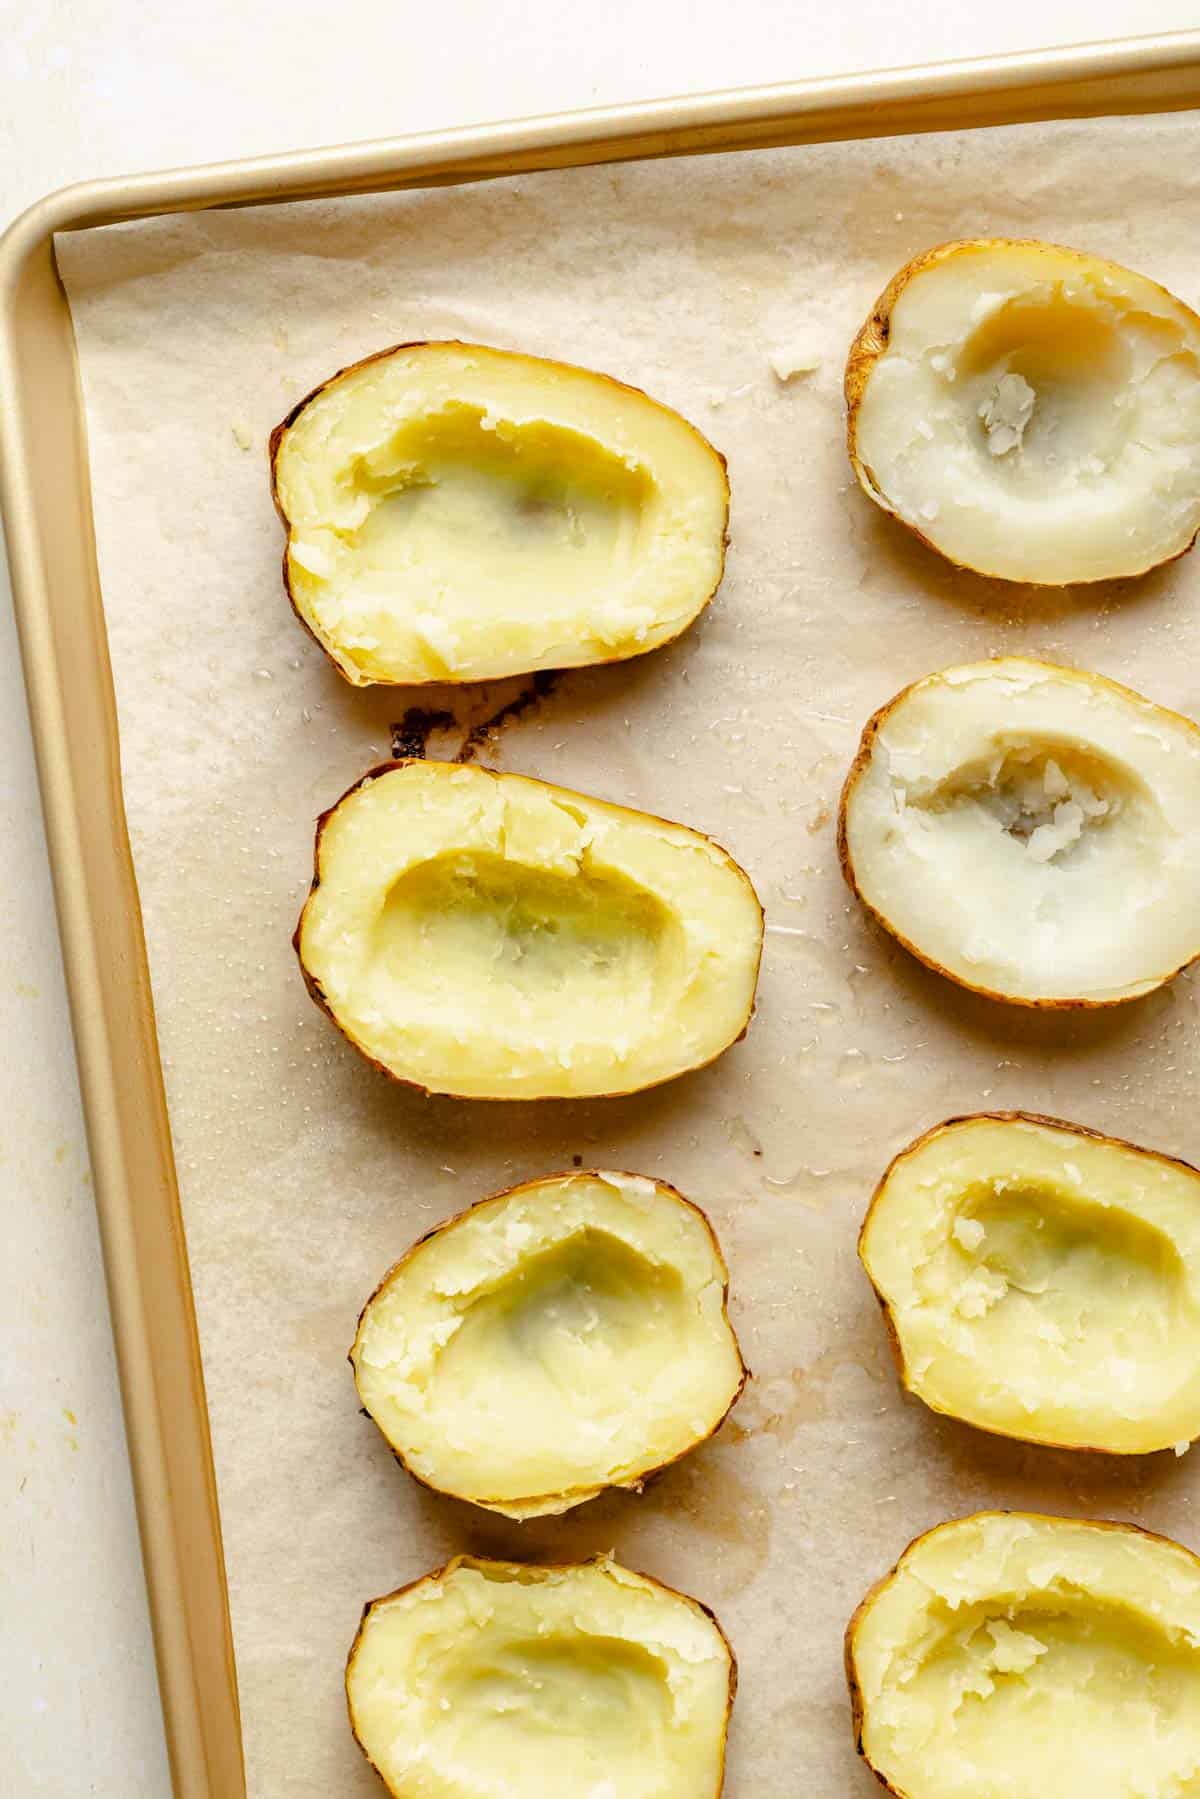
[{"x": 303, "y": 1173}]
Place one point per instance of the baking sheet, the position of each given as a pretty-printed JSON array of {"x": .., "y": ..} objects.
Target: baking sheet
[{"x": 304, "y": 1174}]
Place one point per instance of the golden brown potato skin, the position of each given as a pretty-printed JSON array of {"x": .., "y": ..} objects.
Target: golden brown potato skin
[
  {"x": 870, "y": 343},
  {"x": 918, "y": 1143},
  {"x": 651, "y": 1474},
  {"x": 862, "y": 756},
  {"x": 420, "y": 343},
  {"x": 852, "y": 1682},
  {"x": 318, "y": 997},
  {"x": 471, "y": 1561}
]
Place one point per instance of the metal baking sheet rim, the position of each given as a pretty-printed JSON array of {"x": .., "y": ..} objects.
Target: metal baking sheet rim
[{"x": 46, "y": 504}]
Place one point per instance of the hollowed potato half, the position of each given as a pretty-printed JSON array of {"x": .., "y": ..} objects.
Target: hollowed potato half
[
  {"x": 1031, "y": 412},
  {"x": 1009, "y": 1656},
  {"x": 495, "y": 937},
  {"x": 1030, "y": 831},
  {"x": 562, "y": 1337},
  {"x": 1042, "y": 1281},
  {"x": 456, "y": 513},
  {"x": 578, "y": 1682}
]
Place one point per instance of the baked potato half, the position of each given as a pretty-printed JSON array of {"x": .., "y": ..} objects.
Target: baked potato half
[
  {"x": 1042, "y": 1281},
  {"x": 551, "y": 1682},
  {"x": 564, "y": 1336},
  {"x": 1029, "y": 831},
  {"x": 458, "y": 513},
  {"x": 1030, "y": 411},
  {"x": 495, "y": 937},
  {"x": 1011, "y": 1656}
]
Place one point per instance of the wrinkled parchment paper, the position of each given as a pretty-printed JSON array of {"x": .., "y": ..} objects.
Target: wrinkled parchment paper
[{"x": 304, "y": 1174}]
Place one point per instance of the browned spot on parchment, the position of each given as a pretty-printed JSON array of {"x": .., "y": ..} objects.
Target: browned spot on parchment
[
  {"x": 410, "y": 736},
  {"x": 482, "y": 736}
]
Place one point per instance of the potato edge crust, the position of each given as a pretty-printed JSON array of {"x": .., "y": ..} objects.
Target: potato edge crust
[
  {"x": 871, "y": 342},
  {"x": 280, "y": 431},
  {"x": 585, "y": 1494},
  {"x": 317, "y": 994},
  {"x": 1043, "y": 1121},
  {"x": 857, "y": 769},
  {"x": 537, "y": 1569}
]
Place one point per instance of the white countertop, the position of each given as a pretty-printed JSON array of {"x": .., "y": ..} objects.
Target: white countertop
[{"x": 102, "y": 87}]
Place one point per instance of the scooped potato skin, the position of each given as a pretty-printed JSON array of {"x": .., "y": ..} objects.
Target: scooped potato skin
[
  {"x": 651, "y": 1474},
  {"x": 871, "y": 342},
  {"x": 912, "y": 1149},
  {"x": 273, "y": 443},
  {"x": 472, "y": 1561},
  {"x": 317, "y": 995},
  {"x": 453, "y": 343},
  {"x": 857, "y": 1708},
  {"x": 862, "y": 756}
]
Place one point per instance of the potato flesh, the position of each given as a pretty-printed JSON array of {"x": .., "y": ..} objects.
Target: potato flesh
[
  {"x": 1036, "y": 414},
  {"x": 1044, "y": 1284},
  {"x": 563, "y": 1337},
  {"x": 1013, "y": 1657},
  {"x": 457, "y": 513},
  {"x": 1028, "y": 830},
  {"x": 557, "y": 1683},
  {"x": 489, "y": 935}
]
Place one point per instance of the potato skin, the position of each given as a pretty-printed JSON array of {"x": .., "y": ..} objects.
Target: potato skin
[
  {"x": 870, "y": 343},
  {"x": 651, "y": 1474},
  {"x": 857, "y": 1707},
  {"x": 277, "y": 435},
  {"x": 316, "y": 993},
  {"x": 862, "y": 757},
  {"x": 911, "y": 1149},
  {"x": 473, "y": 1561}
]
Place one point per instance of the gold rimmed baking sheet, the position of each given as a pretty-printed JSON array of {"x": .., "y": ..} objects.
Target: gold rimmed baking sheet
[{"x": 302, "y": 1174}]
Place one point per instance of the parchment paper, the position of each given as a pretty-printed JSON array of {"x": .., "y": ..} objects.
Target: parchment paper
[{"x": 304, "y": 1174}]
